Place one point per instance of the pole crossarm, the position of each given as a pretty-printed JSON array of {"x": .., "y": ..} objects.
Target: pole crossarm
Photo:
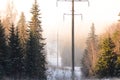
[
  {"x": 74, "y": 0},
  {"x": 71, "y": 1},
  {"x": 79, "y": 14}
]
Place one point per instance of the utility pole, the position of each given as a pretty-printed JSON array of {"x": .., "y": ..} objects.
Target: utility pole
[
  {"x": 73, "y": 40},
  {"x": 73, "y": 45},
  {"x": 78, "y": 14}
]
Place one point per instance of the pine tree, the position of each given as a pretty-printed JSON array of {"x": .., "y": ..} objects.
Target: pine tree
[
  {"x": 16, "y": 67},
  {"x": 36, "y": 56},
  {"x": 106, "y": 62},
  {"x": 3, "y": 51}
]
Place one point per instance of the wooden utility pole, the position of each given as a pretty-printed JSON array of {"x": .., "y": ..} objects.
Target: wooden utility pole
[{"x": 73, "y": 40}]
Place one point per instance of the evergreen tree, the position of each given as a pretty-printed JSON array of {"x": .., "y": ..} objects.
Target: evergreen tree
[
  {"x": 117, "y": 67},
  {"x": 106, "y": 62},
  {"x": 31, "y": 62},
  {"x": 36, "y": 57},
  {"x": 3, "y": 51},
  {"x": 22, "y": 28},
  {"x": 16, "y": 67},
  {"x": 85, "y": 64}
]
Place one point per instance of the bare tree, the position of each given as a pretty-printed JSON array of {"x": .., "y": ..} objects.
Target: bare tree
[
  {"x": 92, "y": 46},
  {"x": 10, "y": 17}
]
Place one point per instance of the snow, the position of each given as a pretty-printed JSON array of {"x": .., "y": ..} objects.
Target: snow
[
  {"x": 60, "y": 73},
  {"x": 52, "y": 54},
  {"x": 52, "y": 60},
  {"x": 55, "y": 72}
]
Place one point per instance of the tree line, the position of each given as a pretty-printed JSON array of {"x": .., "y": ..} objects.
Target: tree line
[
  {"x": 22, "y": 51},
  {"x": 101, "y": 58}
]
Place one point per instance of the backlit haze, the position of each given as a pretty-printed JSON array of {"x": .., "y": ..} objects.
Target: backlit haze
[{"x": 102, "y": 13}]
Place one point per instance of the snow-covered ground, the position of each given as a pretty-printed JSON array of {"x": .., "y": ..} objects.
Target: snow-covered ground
[
  {"x": 52, "y": 60},
  {"x": 58, "y": 73},
  {"x": 52, "y": 54}
]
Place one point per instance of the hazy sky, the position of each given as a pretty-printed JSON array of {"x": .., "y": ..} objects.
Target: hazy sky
[{"x": 101, "y": 12}]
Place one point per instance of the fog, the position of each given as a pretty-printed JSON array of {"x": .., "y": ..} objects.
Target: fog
[{"x": 61, "y": 43}]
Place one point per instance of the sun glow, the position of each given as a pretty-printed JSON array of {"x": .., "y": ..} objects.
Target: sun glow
[{"x": 100, "y": 12}]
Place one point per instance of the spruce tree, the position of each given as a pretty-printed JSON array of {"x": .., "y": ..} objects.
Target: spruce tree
[
  {"x": 106, "y": 62},
  {"x": 3, "y": 51},
  {"x": 36, "y": 56},
  {"x": 117, "y": 67},
  {"x": 31, "y": 68},
  {"x": 16, "y": 67},
  {"x": 22, "y": 28}
]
